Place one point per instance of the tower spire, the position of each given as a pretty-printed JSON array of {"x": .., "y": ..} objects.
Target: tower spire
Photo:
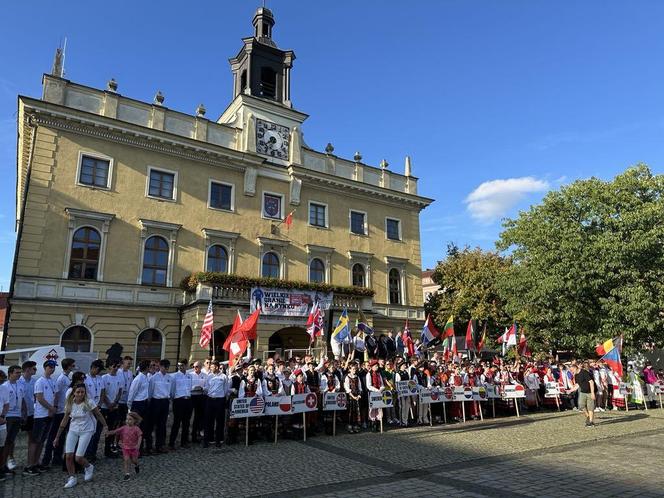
[{"x": 263, "y": 22}]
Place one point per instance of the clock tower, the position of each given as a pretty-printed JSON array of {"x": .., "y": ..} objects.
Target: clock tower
[{"x": 261, "y": 103}]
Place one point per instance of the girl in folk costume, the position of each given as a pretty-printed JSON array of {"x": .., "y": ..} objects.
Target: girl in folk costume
[
  {"x": 271, "y": 387},
  {"x": 405, "y": 402},
  {"x": 329, "y": 383},
  {"x": 364, "y": 402},
  {"x": 300, "y": 387},
  {"x": 532, "y": 382},
  {"x": 473, "y": 380},
  {"x": 286, "y": 384},
  {"x": 618, "y": 399},
  {"x": 374, "y": 382},
  {"x": 456, "y": 380},
  {"x": 388, "y": 378},
  {"x": 250, "y": 387},
  {"x": 436, "y": 382},
  {"x": 424, "y": 382},
  {"x": 353, "y": 388},
  {"x": 550, "y": 378}
]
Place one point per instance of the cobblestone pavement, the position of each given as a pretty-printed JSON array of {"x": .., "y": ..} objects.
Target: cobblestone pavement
[{"x": 546, "y": 454}]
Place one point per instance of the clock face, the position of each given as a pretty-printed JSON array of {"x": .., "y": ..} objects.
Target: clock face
[{"x": 272, "y": 139}]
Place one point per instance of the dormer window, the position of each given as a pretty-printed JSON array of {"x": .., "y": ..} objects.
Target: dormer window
[
  {"x": 266, "y": 30},
  {"x": 268, "y": 82}
]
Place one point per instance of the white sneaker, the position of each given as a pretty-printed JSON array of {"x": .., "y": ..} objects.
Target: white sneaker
[
  {"x": 11, "y": 464},
  {"x": 71, "y": 482},
  {"x": 596, "y": 410},
  {"x": 89, "y": 471}
]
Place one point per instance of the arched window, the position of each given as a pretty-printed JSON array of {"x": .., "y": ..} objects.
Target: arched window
[
  {"x": 76, "y": 340},
  {"x": 395, "y": 286},
  {"x": 217, "y": 259},
  {"x": 148, "y": 345},
  {"x": 155, "y": 261},
  {"x": 268, "y": 82},
  {"x": 270, "y": 265},
  {"x": 358, "y": 275},
  {"x": 316, "y": 271},
  {"x": 84, "y": 258}
]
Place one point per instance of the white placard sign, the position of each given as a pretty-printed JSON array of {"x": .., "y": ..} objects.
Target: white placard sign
[
  {"x": 307, "y": 402},
  {"x": 335, "y": 401},
  {"x": 407, "y": 388},
  {"x": 278, "y": 405},
  {"x": 380, "y": 399},
  {"x": 511, "y": 391},
  {"x": 552, "y": 390},
  {"x": 247, "y": 407}
]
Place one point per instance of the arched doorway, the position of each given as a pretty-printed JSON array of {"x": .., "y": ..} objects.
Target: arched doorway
[
  {"x": 76, "y": 339},
  {"x": 220, "y": 336},
  {"x": 185, "y": 344},
  {"x": 286, "y": 339}
]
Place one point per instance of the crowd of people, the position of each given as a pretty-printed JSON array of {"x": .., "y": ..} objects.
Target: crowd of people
[{"x": 66, "y": 418}]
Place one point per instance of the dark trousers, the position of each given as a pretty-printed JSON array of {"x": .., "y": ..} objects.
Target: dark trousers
[
  {"x": 91, "y": 452},
  {"x": 52, "y": 454},
  {"x": 142, "y": 408},
  {"x": 198, "y": 403},
  {"x": 215, "y": 417},
  {"x": 112, "y": 419},
  {"x": 122, "y": 413},
  {"x": 181, "y": 417},
  {"x": 157, "y": 423}
]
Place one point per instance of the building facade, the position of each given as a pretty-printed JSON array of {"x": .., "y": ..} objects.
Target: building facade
[
  {"x": 120, "y": 202},
  {"x": 429, "y": 287}
]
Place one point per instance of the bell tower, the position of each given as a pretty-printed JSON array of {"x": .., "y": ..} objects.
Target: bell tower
[{"x": 261, "y": 69}]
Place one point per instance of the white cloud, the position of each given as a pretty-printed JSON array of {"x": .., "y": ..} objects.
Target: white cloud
[{"x": 493, "y": 199}]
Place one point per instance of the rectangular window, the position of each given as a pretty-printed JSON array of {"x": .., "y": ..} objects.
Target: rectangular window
[
  {"x": 162, "y": 184},
  {"x": 392, "y": 228},
  {"x": 221, "y": 196},
  {"x": 357, "y": 223},
  {"x": 272, "y": 206},
  {"x": 317, "y": 215},
  {"x": 94, "y": 172}
]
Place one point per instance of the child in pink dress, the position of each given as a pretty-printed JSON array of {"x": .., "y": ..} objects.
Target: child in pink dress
[{"x": 130, "y": 436}]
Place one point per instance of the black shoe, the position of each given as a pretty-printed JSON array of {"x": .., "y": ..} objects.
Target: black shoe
[
  {"x": 206, "y": 444},
  {"x": 30, "y": 471},
  {"x": 42, "y": 468},
  {"x": 137, "y": 469},
  {"x": 8, "y": 472},
  {"x": 126, "y": 477}
]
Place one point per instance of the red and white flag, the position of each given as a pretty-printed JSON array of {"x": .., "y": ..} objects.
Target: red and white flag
[
  {"x": 522, "y": 347},
  {"x": 315, "y": 323},
  {"x": 206, "y": 329}
]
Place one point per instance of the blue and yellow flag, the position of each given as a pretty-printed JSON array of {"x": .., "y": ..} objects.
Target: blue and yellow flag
[{"x": 341, "y": 333}]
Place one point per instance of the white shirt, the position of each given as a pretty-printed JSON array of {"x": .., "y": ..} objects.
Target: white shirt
[
  {"x": 112, "y": 385},
  {"x": 242, "y": 391},
  {"x": 217, "y": 385},
  {"x": 82, "y": 419},
  {"x": 15, "y": 398},
  {"x": 182, "y": 384},
  {"x": 127, "y": 377},
  {"x": 197, "y": 382},
  {"x": 4, "y": 399},
  {"x": 160, "y": 386},
  {"x": 138, "y": 391},
  {"x": 45, "y": 386},
  {"x": 94, "y": 386},
  {"x": 61, "y": 386},
  {"x": 28, "y": 393}
]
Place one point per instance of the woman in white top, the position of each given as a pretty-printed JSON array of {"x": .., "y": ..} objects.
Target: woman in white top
[{"x": 82, "y": 411}]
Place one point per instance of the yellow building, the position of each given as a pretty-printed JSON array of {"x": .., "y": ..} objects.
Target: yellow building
[{"x": 120, "y": 202}]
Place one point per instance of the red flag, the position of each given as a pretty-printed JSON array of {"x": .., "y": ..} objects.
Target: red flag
[
  {"x": 408, "y": 340},
  {"x": 206, "y": 329},
  {"x": 237, "y": 346},
  {"x": 470, "y": 333},
  {"x": 455, "y": 352},
  {"x": 250, "y": 326},
  {"x": 446, "y": 347},
  {"x": 236, "y": 325},
  {"x": 289, "y": 220},
  {"x": 522, "y": 347}
]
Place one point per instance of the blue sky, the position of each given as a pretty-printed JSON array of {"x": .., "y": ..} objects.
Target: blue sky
[{"x": 496, "y": 102}]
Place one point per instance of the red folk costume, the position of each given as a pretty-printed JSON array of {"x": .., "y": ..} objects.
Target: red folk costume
[
  {"x": 473, "y": 407},
  {"x": 455, "y": 409}
]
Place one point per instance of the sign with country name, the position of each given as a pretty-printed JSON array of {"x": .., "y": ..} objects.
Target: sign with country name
[
  {"x": 460, "y": 393},
  {"x": 382, "y": 399},
  {"x": 247, "y": 407},
  {"x": 433, "y": 395},
  {"x": 287, "y": 302},
  {"x": 658, "y": 388},
  {"x": 480, "y": 394},
  {"x": 492, "y": 391},
  {"x": 511, "y": 391},
  {"x": 278, "y": 405},
  {"x": 552, "y": 390},
  {"x": 335, "y": 401},
  {"x": 307, "y": 402},
  {"x": 407, "y": 388}
]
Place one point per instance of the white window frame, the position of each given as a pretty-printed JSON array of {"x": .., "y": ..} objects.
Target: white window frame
[
  {"x": 281, "y": 205},
  {"x": 175, "y": 184},
  {"x": 363, "y": 258},
  {"x": 323, "y": 253},
  {"x": 167, "y": 231},
  {"x": 101, "y": 222},
  {"x": 364, "y": 268},
  {"x": 209, "y": 203},
  {"x": 280, "y": 248},
  {"x": 366, "y": 222},
  {"x": 94, "y": 155},
  {"x": 327, "y": 214},
  {"x": 400, "y": 228},
  {"x": 398, "y": 264},
  {"x": 225, "y": 239}
]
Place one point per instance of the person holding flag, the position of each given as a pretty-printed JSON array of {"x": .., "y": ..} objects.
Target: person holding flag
[
  {"x": 341, "y": 334},
  {"x": 429, "y": 332},
  {"x": 508, "y": 338}
]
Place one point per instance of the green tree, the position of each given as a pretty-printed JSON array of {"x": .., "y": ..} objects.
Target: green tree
[
  {"x": 589, "y": 263},
  {"x": 468, "y": 289}
]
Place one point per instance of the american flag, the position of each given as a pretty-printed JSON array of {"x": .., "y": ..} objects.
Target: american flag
[{"x": 206, "y": 329}]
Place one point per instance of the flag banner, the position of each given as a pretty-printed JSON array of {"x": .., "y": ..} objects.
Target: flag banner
[
  {"x": 306, "y": 402},
  {"x": 335, "y": 401},
  {"x": 434, "y": 395},
  {"x": 287, "y": 302},
  {"x": 247, "y": 407},
  {"x": 278, "y": 405},
  {"x": 511, "y": 391},
  {"x": 460, "y": 393},
  {"x": 380, "y": 399},
  {"x": 406, "y": 388},
  {"x": 480, "y": 394},
  {"x": 552, "y": 390},
  {"x": 206, "y": 329}
]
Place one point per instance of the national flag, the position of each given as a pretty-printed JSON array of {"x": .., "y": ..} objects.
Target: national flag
[
  {"x": 236, "y": 325},
  {"x": 482, "y": 342},
  {"x": 407, "y": 338},
  {"x": 362, "y": 324},
  {"x": 237, "y": 345},
  {"x": 509, "y": 337},
  {"x": 522, "y": 347},
  {"x": 447, "y": 347},
  {"x": 612, "y": 358},
  {"x": 429, "y": 331},
  {"x": 250, "y": 326},
  {"x": 448, "y": 331},
  {"x": 206, "y": 329},
  {"x": 289, "y": 220},
  {"x": 470, "y": 335},
  {"x": 607, "y": 346},
  {"x": 341, "y": 333},
  {"x": 315, "y": 323},
  {"x": 455, "y": 351}
]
